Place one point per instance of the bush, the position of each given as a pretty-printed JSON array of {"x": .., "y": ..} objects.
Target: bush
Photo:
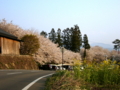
[
  {"x": 105, "y": 74},
  {"x": 29, "y": 45},
  {"x": 95, "y": 76},
  {"x": 62, "y": 80}
]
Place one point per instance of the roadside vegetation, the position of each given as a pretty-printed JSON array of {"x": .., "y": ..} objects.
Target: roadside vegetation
[{"x": 102, "y": 76}]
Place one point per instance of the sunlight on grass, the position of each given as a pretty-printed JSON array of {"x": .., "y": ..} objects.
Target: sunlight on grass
[{"x": 94, "y": 76}]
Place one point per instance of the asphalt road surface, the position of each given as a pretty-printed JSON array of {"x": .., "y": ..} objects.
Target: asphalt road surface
[{"x": 23, "y": 79}]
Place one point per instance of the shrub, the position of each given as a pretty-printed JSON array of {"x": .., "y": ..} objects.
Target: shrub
[
  {"x": 30, "y": 44},
  {"x": 62, "y": 80},
  {"x": 105, "y": 74}
]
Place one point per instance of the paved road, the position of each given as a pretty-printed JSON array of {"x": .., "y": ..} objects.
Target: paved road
[{"x": 23, "y": 79}]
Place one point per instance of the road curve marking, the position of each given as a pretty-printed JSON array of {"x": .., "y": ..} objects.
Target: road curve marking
[
  {"x": 13, "y": 73},
  {"x": 29, "y": 85}
]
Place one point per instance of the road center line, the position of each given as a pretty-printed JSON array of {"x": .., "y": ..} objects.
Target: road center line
[
  {"x": 29, "y": 85},
  {"x": 13, "y": 73}
]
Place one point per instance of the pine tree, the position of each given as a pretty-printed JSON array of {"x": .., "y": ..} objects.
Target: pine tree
[
  {"x": 76, "y": 39},
  {"x": 59, "y": 38},
  {"x": 52, "y": 35},
  {"x": 43, "y": 33},
  {"x": 67, "y": 38},
  {"x": 117, "y": 44},
  {"x": 86, "y": 44}
]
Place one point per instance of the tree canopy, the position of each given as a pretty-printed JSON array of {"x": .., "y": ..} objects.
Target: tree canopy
[
  {"x": 70, "y": 38},
  {"x": 29, "y": 45},
  {"x": 86, "y": 44},
  {"x": 117, "y": 44},
  {"x": 52, "y": 35},
  {"x": 43, "y": 33},
  {"x": 59, "y": 38}
]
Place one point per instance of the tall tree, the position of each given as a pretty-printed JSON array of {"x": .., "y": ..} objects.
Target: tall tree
[
  {"x": 66, "y": 38},
  {"x": 117, "y": 44},
  {"x": 86, "y": 44},
  {"x": 43, "y": 33},
  {"x": 52, "y": 35},
  {"x": 76, "y": 39},
  {"x": 59, "y": 38}
]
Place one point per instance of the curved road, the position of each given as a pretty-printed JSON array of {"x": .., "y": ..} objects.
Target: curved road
[{"x": 23, "y": 79}]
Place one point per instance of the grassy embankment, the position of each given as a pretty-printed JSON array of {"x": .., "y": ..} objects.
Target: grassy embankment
[
  {"x": 103, "y": 76},
  {"x": 17, "y": 62}
]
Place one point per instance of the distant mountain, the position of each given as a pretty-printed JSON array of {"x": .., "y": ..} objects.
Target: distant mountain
[{"x": 106, "y": 46}]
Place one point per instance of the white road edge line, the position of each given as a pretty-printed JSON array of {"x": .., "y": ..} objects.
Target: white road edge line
[
  {"x": 13, "y": 73},
  {"x": 29, "y": 85}
]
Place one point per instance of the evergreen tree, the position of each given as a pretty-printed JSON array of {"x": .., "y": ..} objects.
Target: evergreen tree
[
  {"x": 52, "y": 35},
  {"x": 76, "y": 39},
  {"x": 43, "y": 33},
  {"x": 66, "y": 38},
  {"x": 117, "y": 44},
  {"x": 86, "y": 44},
  {"x": 59, "y": 38},
  {"x": 71, "y": 38}
]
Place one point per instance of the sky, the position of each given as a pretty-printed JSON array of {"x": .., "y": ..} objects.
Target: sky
[{"x": 99, "y": 19}]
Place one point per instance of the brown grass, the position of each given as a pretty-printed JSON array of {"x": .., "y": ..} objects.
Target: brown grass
[{"x": 17, "y": 62}]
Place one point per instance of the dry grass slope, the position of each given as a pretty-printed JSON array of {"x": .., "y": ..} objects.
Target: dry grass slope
[{"x": 17, "y": 62}]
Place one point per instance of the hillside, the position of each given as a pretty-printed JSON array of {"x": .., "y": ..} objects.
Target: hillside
[{"x": 48, "y": 51}]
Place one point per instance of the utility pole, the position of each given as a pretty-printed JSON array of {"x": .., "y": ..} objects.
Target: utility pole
[{"x": 62, "y": 50}]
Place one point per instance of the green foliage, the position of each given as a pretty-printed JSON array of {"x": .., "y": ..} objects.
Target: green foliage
[
  {"x": 59, "y": 38},
  {"x": 67, "y": 38},
  {"x": 52, "y": 35},
  {"x": 72, "y": 39},
  {"x": 77, "y": 64},
  {"x": 62, "y": 80},
  {"x": 76, "y": 39},
  {"x": 86, "y": 44},
  {"x": 117, "y": 44},
  {"x": 29, "y": 45},
  {"x": 43, "y": 33},
  {"x": 105, "y": 74}
]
